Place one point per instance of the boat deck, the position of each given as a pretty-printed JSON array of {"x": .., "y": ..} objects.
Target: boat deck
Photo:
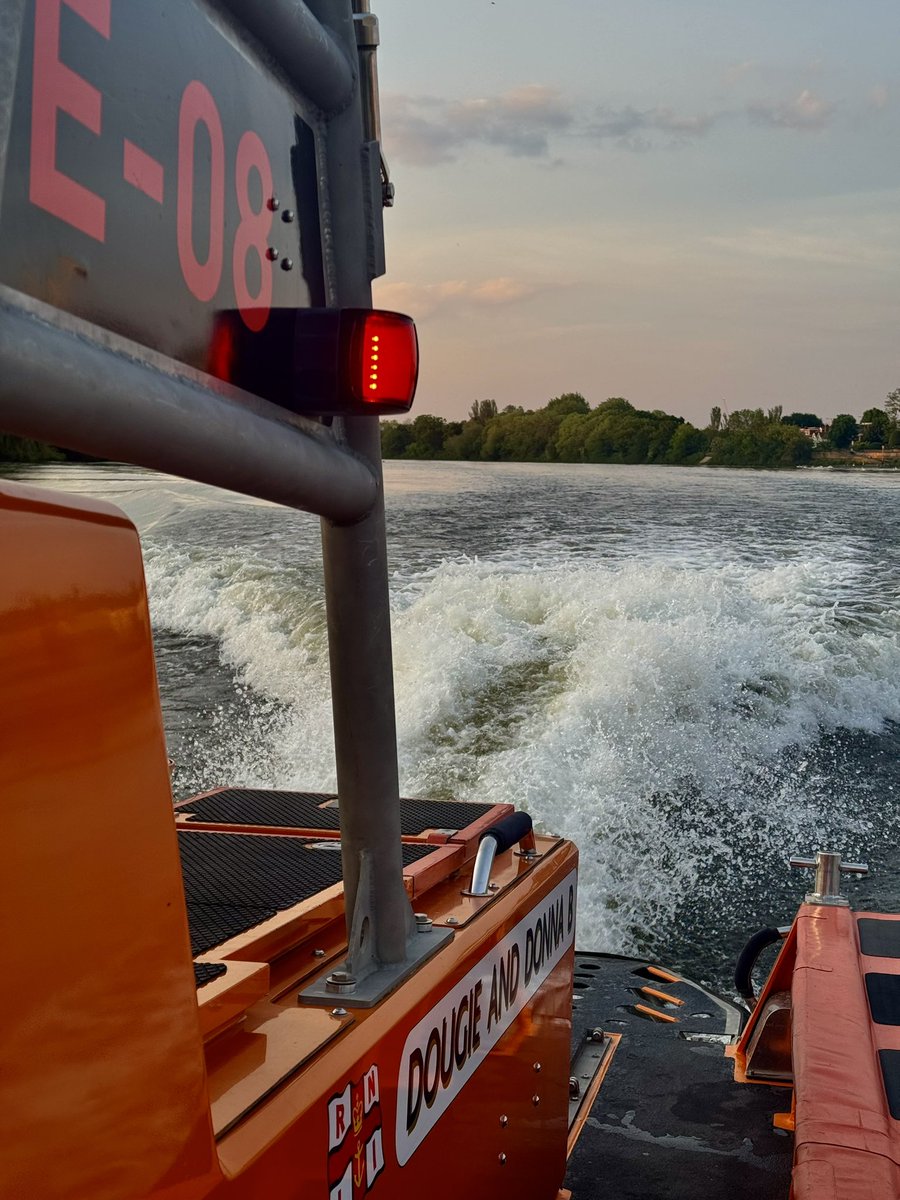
[
  {"x": 652, "y": 1097},
  {"x": 669, "y": 1121}
]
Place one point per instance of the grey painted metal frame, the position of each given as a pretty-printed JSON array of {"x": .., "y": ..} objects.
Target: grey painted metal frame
[
  {"x": 59, "y": 385},
  {"x": 61, "y": 388},
  {"x": 356, "y": 585},
  {"x": 304, "y": 48}
]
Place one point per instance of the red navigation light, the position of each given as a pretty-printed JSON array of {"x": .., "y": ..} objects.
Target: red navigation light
[
  {"x": 383, "y": 359},
  {"x": 321, "y": 361}
]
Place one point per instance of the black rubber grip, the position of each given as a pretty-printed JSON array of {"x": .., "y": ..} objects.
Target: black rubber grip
[
  {"x": 747, "y": 960},
  {"x": 509, "y": 830}
]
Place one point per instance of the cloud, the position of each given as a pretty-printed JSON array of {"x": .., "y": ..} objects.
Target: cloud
[
  {"x": 422, "y": 299},
  {"x": 738, "y": 71},
  {"x": 640, "y": 129},
  {"x": 879, "y": 97},
  {"x": 806, "y": 112},
  {"x": 427, "y": 130},
  {"x": 522, "y": 122}
]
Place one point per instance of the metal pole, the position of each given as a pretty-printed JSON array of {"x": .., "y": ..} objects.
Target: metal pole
[
  {"x": 60, "y": 388},
  {"x": 356, "y": 590}
]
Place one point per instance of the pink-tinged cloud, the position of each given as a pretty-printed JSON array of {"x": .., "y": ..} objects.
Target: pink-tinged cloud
[
  {"x": 421, "y": 300},
  {"x": 806, "y": 112},
  {"x": 879, "y": 97}
]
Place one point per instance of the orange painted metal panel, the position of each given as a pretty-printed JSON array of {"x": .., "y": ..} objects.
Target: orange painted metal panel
[
  {"x": 102, "y": 1085},
  {"x": 280, "y": 1149},
  {"x": 106, "y": 1085}
]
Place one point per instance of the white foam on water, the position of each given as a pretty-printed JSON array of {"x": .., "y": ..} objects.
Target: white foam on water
[{"x": 659, "y": 715}]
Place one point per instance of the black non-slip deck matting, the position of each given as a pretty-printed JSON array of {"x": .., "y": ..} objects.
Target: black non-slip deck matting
[
  {"x": 301, "y": 810},
  {"x": 884, "y": 997},
  {"x": 890, "y": 1070},
  {"x": 881, "y": 939},
  {"x": 233, "y": 882},
  {"x": 205, "y": 973}
]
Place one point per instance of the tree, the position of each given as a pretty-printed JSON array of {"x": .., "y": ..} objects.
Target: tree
[
  {"x": 774, "y": 415},
  {"x": 844, "y": 430},
  {"x": 483, "y": 411},
  {"x": 570, "y": 437},
  {"x": 427, "y": 437},
  {"x": 879, "y": 426},
  {"x": 569, "y": 402},
  {"x": 892, "y": 405},
  {"x": 687, "y": 442},
  {"x": 803, "y": 420},
  {"x": 16, "y": 449},
  {"x": 715, "y": 419},
  {"x": 395, "y": 437},
  {"x": 745, "y": 418}
]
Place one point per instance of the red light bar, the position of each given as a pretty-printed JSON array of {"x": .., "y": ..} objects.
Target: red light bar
[
  {"x": 321, "y": 361},
  {"x": 383, "y": 359}
]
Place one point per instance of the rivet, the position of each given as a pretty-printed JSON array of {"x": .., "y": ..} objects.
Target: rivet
[
  {"x": 339, "y": 1012},
  {"x": 271, "y": 254},
  {"x": 493, "y": 887},
  {"x": 504, "y": 1121},
  {"x": 274, "y": 203},
  {"x": 318, "y": 953},
  {"x": 288, "y": 215},
  {"x": 501, "y": 1159},
  {"x": 287, "y": 264},
  {"x": 452, "y": 920},
  {"x": 537, "y": 1067},
  {"x": 535, "y": 1099}
]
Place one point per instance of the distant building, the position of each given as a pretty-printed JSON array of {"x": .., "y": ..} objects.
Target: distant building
[{"x": 816, "y": 433}]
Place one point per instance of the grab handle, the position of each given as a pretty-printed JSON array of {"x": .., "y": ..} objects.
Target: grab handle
[{"x": 503, "y": 835}]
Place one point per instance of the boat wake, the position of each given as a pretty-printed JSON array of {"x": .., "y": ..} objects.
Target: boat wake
[{"x": 687, "y": 726}]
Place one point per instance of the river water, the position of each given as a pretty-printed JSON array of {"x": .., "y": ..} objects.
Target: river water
[{"x": 692, "y": 673}]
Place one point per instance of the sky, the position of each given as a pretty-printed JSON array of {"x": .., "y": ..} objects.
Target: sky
[{"x": 684, "y": 203}]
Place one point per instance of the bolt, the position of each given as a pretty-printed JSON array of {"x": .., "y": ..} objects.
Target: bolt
[
  {"x": 271, "y": 254},
  {"x": 535, "y": 1099},
  {"x": 287, "y": 264},
  {"x": 340, "y": 981},
  {"x": 274, "y": 204},
  {"x": 501, "y": 1158},
  {"x": 504, "y": 1121},
  {"x": 574, "y": 1088},
  {"x": 423, "y": 922},
  {"x": 318, "y": 953},
  {"x": 493, "y": 887},
  {"x": 287, "y": 216},
  {"x": 596, "y": 1035},
  {"x": 452, "y": 920},
  {"x": 339, "y": 1012},
  {"x": 537, "y": 1067}
]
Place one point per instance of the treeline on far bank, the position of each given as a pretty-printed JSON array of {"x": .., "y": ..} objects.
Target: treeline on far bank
[{"x": 567, "y": 429}]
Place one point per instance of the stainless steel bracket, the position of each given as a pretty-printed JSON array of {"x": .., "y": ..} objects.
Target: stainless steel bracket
[{"x": 361, "y": 980}]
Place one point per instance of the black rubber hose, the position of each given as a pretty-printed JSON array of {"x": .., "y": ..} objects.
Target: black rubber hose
[
  {"x": 508, "y": 831},
  {"x": 747, "y": 959}
]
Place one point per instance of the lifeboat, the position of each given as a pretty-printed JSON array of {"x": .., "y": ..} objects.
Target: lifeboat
[{"x": 253, "y": 994}]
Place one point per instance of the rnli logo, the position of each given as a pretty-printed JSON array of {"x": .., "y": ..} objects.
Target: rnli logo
[
  {"x": 448, "y": 1045},
  {"x": 355, "y": 1148}
]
